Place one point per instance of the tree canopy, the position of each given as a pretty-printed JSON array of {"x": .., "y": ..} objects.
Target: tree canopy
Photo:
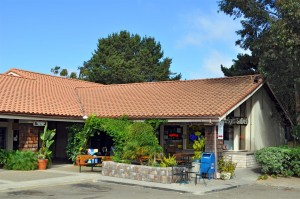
[
  {"x": 271, "y": 30},
  {"x": 127, "y": 58}
]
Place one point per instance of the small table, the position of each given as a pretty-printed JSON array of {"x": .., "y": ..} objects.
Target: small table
[{"x": 183, "y": 173}]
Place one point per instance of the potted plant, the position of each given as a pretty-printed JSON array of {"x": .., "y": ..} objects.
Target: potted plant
[
  {"x": 45, "y": 154},
  {"x": 198, "y": 147},
  {"x": 227, "y": 168}
]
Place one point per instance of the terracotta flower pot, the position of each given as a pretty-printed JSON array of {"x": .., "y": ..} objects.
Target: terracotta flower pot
[{"x": 42, "y": 164}]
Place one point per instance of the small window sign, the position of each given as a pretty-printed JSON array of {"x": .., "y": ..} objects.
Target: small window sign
[{"x": 39, "y": 123}]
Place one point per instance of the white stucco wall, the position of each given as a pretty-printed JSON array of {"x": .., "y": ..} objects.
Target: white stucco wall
[{"x": 266, "y": 128}]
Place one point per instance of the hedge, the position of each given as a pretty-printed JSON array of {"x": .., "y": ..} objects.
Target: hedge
[{"x": 279, "y": 160}]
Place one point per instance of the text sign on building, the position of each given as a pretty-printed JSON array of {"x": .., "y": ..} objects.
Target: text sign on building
[
  {"x": 236, "y": 121},
  {"x": 220, "y": 130},
  {"x": 39, "y": 123}
]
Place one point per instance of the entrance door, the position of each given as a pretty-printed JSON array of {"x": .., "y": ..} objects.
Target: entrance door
[
  {"x": 98, "y": 141},
  {"x": 2, "y": 138}
]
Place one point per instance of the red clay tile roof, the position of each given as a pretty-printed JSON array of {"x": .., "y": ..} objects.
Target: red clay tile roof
[
  {"x": 170, "y": 99},
  {"x": 38, "y": 94}
]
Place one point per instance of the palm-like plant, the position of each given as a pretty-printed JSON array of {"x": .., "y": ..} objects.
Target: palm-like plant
[{"x": 47, "y": 140}]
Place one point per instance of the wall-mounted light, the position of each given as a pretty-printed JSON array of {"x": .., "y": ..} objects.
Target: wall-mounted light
[{"x": 85, "y": 117}]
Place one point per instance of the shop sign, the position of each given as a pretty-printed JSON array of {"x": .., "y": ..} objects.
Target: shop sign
[
  {"x": 39, "y": 123},
  {"x": 220, "y": 130},
  {"x": 236, "y": 121},
  {"x": 173, "y": 135}
]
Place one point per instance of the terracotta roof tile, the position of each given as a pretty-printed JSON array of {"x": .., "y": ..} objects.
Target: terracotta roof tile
[
  {"x": 185, "y": 99},
  {"x": 39, "y": 94}
]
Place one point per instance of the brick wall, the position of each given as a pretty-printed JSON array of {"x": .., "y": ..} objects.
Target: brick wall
[
  {"x": 28, "y": 137},
  {"x": 209, "y": 143}
]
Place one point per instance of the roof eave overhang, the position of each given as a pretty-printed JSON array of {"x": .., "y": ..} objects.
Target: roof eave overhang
[
  {"x": 240, "y": 102},
  {"x": 205, "y": 120},
  {"x": 42, "y": 118}
]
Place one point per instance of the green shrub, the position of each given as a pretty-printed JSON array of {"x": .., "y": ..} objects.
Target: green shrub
[
  {"x": 3, "y": 156},
  {"x": 140, "y": 141},
  {"x": 279, "y": 160},
  {"x": 168, "y": 161},
  {"x": 72, "y": 148},
  {"x": 226, "y": 166},
  {"x": 295, "y": 161},
  {"x": 21, "y": 160},
  {"x": 271, "y": 159}
]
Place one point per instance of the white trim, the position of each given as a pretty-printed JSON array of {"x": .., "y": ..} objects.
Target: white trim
[
  {"x": 207, "y": 121},
  {"x": 40, "y": 118},
  {"x": 241, "y": 102},
  {"x": 13, "y": 74}
]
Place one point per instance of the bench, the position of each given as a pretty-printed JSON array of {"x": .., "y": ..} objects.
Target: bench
[{"x": 88, "y": 161}]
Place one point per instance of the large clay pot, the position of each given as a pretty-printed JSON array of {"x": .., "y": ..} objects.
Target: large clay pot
[
  {"x": 42, "y": 164},
  {"x": 195, "y": 168}
]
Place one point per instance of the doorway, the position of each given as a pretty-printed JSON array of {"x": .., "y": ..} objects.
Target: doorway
[
  {"x": 2, "y": 138},
  {"x": 99, "y": 141}
]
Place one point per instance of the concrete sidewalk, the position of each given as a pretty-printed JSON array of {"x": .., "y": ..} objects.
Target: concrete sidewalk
[{"x": 67, "y": 174}]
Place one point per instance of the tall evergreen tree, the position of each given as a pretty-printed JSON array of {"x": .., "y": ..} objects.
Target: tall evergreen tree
[
  {"x": 271, "y": 30},
  {"x": 127, "y": 58}
]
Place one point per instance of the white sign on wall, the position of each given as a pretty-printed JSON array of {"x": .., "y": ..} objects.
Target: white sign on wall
[
  {"x": 221, "y": 130},
  {"x": 39, "y": 123},
  {"x": 237, "y": 121}
]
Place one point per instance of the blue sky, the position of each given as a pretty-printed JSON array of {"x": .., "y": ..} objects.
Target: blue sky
[{"x": 37, "y": 35}]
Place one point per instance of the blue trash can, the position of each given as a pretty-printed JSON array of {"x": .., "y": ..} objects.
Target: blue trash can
[{"x": 207, "y": 164}]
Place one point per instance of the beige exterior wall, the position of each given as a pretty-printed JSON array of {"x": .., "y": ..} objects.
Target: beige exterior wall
[{"x": 264, "y": 125}]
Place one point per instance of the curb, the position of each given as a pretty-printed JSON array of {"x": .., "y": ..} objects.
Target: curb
[
  {"x": 144, "y": 186},
  {"x": 174, "y": 190},
  {"x": 223, "y": 189}
]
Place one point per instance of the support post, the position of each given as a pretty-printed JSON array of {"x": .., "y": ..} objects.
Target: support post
[{"x": 215, "y": 151}]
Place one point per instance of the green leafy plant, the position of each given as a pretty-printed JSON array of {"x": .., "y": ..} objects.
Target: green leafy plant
[
  {"x": 272, "y": 159},
  {"x": 140, "y": 141},
  {"x": 226, "y": 166},
  {"x": 282, "y": 161},
  {"x": 47, "y": 140},
  {"x": 262, "y": 177},
  {"x": 3, "y": 156},
  {"x": 131, "y": 139},
  {"x": 21, "y": 160},
  {"x": 294, "y": 161},
  {"x": 72, "y": 148},
  {"x": 168, "y": 161},
  {"x": 198, "y": 146}
]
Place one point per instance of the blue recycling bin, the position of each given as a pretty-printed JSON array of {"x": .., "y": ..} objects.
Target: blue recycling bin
[{"x": 207, "y": 164}]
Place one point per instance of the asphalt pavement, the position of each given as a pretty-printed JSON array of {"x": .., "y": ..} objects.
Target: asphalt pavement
[{"x": 61, "y": 174}]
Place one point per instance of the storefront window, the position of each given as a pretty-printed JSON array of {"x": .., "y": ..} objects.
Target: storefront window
[
  {"x": 228, "y": 137},
  {"x": 173, "y": 138},
  {"x": 194, "y": 132}
]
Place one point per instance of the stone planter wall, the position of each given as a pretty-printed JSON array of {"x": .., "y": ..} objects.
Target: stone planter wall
[{"x": 139, "y": 172}]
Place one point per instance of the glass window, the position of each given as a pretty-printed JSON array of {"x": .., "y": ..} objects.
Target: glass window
[
  {"x": 173, "y": 138},
  {"x": 194, "y": 131}
]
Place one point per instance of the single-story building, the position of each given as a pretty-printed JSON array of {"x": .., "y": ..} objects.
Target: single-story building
[{"x": 237, "y": 115}]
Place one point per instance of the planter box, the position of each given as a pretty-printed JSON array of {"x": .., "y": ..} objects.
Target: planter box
[{"x": 139, "y": 172}]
